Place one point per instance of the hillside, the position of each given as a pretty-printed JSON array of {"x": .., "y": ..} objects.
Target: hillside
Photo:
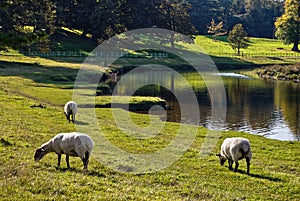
[
  {"x": 262, "y": 51},
  {"x": 24, "y": 87}
]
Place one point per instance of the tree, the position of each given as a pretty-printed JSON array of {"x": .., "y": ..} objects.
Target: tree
[
  {"x": 106, "y": 20},
  {"x": 288, "y": 25},
  {"x": 216, "y": 29},
  {"x": 237, "y": 38},
  {"x": 202, "y": 11},
  {"x": 174, "y": 15},
  {"x": 24, "y": 22}
]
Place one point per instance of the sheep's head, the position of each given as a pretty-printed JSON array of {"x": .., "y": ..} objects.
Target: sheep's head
[
  {"x": 222, "y": 159},
  {"x": 39, "y": 154}
]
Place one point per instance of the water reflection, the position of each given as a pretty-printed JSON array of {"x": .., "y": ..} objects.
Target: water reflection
[{"x": 260, "y": 107}]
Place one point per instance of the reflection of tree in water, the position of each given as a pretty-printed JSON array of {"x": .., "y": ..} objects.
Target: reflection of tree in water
[
  {"x": 287, "y": 100},
  {"x": 250, "y": 104}
]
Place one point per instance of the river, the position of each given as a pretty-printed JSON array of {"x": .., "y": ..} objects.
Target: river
[{"x": 266, "y": 108}]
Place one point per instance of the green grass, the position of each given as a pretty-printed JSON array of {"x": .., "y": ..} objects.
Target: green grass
[
  {"x": 263, "y": 51},
  {"x": 275, "y": 170},
  {"x": 257, "y": 45}
]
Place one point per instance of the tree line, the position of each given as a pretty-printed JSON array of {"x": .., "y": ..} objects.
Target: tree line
[
  {"x": 257, "y": 16},
  {"x": 26, "y": 21}
]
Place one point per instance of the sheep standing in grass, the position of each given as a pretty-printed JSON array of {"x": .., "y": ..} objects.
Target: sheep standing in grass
[
  {"x": 71, "y": 144},
  {"x": 70, "y": 109},
  {"x": 235, "y": 149}
]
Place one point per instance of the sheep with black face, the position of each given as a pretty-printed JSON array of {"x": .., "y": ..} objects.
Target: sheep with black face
[{"x": 70, "y": 144}]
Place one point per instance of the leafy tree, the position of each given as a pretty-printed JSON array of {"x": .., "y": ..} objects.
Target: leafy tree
[
  {"x": 24, "y": 22},
  {"x": 106, "y": 20},
  {"x": 288, "y": 25},
  {"x": 257, "y": 16},
  {"x": 112, "y": 17},
  {"x": 238, "y": 39},
  {"x": 174, "y": 16},
  {"x": 202, "y": 11},
  {"x": 75, "y": 14}
]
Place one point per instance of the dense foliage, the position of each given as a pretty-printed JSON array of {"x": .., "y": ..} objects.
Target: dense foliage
[
  {"x": 288, "y": 25},
  {"x": 100, "y": 19},
  {"x": 257, "y": 16}
]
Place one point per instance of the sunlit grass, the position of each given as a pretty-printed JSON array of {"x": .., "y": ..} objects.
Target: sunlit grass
[{"x": 275, "y": 170}]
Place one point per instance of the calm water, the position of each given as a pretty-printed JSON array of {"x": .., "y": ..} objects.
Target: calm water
[{"x": 270, "y": 109}]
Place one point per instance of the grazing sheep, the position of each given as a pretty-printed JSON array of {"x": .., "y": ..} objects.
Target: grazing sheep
[
  {"x": 71, "y": 144},
  {"x": 235, "y": 149},
  {"x": 70, "y": 109}
]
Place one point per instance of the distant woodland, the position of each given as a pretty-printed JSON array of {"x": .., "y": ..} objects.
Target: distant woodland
[{"x": 24, "y": 21}]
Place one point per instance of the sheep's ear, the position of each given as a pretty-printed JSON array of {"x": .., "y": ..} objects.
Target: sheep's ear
[{"x": 219, "y": 155}]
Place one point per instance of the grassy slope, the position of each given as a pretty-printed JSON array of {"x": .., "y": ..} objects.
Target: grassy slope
[
  {"x": 258, "y": 46},
  {"x": 219, "y": 50},
  {"x": 275, "y": 166},
  {"x": 260, "y": 52}
]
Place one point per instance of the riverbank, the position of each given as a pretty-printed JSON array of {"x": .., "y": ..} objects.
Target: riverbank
[
  {"x": 280, "y": 72},
  {"x": 275, "y": 171},
  {"x": 274, "y": 167}
]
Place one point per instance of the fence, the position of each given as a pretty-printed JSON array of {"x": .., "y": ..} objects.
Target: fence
[
  {"x": 253, "y": 55},
  {"x": 95, "y": 54},
  {"x": 156, "y": 54}
]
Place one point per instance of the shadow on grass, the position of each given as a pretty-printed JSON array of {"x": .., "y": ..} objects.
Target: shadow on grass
[
  {"x": 60, "y": 75},
  {"x": 260, "y": 176},
  {"x": 89, "y": 172},
  {"x": 82, "y": 123},
  {"x": 38, "y": 73}
]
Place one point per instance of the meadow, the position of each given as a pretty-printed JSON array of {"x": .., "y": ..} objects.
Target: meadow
[
  {"x": 32, "y": 94},
  {"x": 261, "y": 52}
]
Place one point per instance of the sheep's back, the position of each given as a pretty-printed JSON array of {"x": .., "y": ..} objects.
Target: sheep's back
[
  {"x": 70, "y": 106},
  {"x": 73, "y": 144},
  {"x": 236, "y": 148}
]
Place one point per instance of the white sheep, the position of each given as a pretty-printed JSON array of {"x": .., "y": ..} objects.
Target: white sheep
[
  {"x": 235, "y": 149},
  {"x": 70, "y": 109},
  {"x": 71, "y": 144}
]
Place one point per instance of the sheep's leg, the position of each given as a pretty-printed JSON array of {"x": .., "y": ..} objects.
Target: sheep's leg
[
  {"x": 230, "y": 162},
  {"x": 73, "y": 118},
  {"x": 58, "y": 159},
  {"x": 67, "y": 160},
  {"x": 236, "y": 166},
  {"x": 248, "y": 165},
  {"x": 85, "y": 160}
]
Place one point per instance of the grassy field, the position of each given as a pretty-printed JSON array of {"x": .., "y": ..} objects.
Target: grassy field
[
  {"x": 261, "y": 51},
  {"x": 29, "y": 82}
]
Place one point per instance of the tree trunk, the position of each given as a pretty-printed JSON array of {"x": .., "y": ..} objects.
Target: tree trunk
[
  {"x": 172, "y": 40},
  {"x": 295, "y": 47},
  {"x": 238, "y": 51}
]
